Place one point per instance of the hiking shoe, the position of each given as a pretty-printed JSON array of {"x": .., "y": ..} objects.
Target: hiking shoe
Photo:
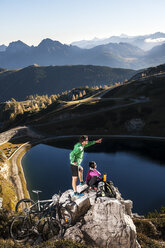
[
  {"x": 78, "y": 194},
  {"x": 82, "y": 183}
]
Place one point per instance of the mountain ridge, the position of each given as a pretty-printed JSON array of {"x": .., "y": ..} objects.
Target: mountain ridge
[
  {"x": 49, "y": 52},
  {"x": 139, "y": 40}
]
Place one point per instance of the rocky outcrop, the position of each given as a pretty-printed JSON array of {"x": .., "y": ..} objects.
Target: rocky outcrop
[
  {"x": 108, "y": 225},
  {"x": 101, "y": 221},
  {"x": 135, "y": 124}
]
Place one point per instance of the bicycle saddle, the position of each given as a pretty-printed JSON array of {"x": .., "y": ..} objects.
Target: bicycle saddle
[{"x": 36, "y": 191}]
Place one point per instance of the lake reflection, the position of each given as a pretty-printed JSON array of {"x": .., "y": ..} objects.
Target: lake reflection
[{"x": 137, "y": 168}]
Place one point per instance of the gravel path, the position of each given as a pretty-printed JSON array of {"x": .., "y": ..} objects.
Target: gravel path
[{"x": 15, "y": 171}]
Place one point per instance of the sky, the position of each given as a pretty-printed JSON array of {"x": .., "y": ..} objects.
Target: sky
[{"x": 31, "y": 21}]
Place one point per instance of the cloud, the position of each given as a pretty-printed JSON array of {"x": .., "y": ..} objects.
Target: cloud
[{"x": 149, "y": 40}]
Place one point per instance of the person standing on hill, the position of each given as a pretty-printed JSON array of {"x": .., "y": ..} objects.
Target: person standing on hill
[{"x": 76, "y": 157}]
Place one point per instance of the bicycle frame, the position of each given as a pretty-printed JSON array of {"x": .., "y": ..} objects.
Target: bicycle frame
[{"x": 39, "y": 202}]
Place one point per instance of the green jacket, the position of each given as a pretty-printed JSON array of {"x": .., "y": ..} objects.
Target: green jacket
[{"x": 77, "y": 154}]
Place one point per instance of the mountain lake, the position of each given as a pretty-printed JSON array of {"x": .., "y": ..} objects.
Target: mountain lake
[{"x": 136, "y": 167}]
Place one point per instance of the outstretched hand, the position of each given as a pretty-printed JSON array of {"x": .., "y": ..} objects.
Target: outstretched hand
[{"x": 99, "y": 141}]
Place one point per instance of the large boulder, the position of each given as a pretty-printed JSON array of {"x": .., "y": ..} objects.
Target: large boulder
[
  {"x": 102, "y": 221},
  {"x": 77, "y": 205},
  {"x": 108, "y": 225},
  {"x": 75, "y": 233}
]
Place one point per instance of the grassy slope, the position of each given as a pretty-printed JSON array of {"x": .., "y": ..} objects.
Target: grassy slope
[
  {"x": 151, "y": 231},
  {"x": 142, "y": 99}
]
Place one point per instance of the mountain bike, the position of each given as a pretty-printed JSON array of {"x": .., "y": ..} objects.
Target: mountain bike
[
  {"x": 24, "y": 227},
  {"x": 63, "y": 214}
]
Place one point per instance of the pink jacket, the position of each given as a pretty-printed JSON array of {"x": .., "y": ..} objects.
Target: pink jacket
[{"x": 92, "y": 173}]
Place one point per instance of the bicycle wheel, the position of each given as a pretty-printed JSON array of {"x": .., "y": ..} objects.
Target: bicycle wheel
[
  {"x": 20, "y": 229},
  {"x": 25, "y": 206},
  {"x": 65, "y": 216},
  {"x": 52, "y": 229}
]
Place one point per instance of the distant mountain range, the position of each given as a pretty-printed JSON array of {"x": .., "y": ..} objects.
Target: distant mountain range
[
  {"x": 49, "y": 80},
  {"x": 49, "y": 52},
  {"x": 145, "y": 42}
]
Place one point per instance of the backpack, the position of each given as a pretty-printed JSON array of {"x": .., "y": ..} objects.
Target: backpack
[{"x": 106, "y": 189}]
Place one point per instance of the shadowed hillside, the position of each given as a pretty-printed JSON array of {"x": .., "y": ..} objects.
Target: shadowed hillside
[
  {"x": 54, "y": 79},
  {"x": 135, "y": 108}
]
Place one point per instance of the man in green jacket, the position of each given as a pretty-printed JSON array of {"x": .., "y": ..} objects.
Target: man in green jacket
[{"x": 76, "y": 157}]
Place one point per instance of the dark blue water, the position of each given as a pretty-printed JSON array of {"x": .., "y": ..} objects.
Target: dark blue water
[{"x": 138, "y": 174}]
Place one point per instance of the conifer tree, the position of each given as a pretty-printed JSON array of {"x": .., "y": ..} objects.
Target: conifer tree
[
  {"x": 53, "y": 98},
  {"x": 49, "y": 101},
  {"x": 105, "y": 87},
  {"x": 19, "y": 109},
  {"x": 12, "y": 116},
  {"x": 35, "y": 105},
  {"x": 13, "y": 100},
  {"x": 76, "y": 96},
  {"x": 73, "y": 97},
  {"x": 84, "y": 92},
  {"x": 33, "y": 109},
  {"x": 7, "y": 106},
  {"x": 37, "y": 108},
  {"x": 22, "y": 105},
  {"x": 42, "y": 105},
  {"x": 80, "y": 95}
]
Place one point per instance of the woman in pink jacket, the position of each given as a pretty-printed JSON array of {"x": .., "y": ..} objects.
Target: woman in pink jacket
[{"x": 93, "y": 175}]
